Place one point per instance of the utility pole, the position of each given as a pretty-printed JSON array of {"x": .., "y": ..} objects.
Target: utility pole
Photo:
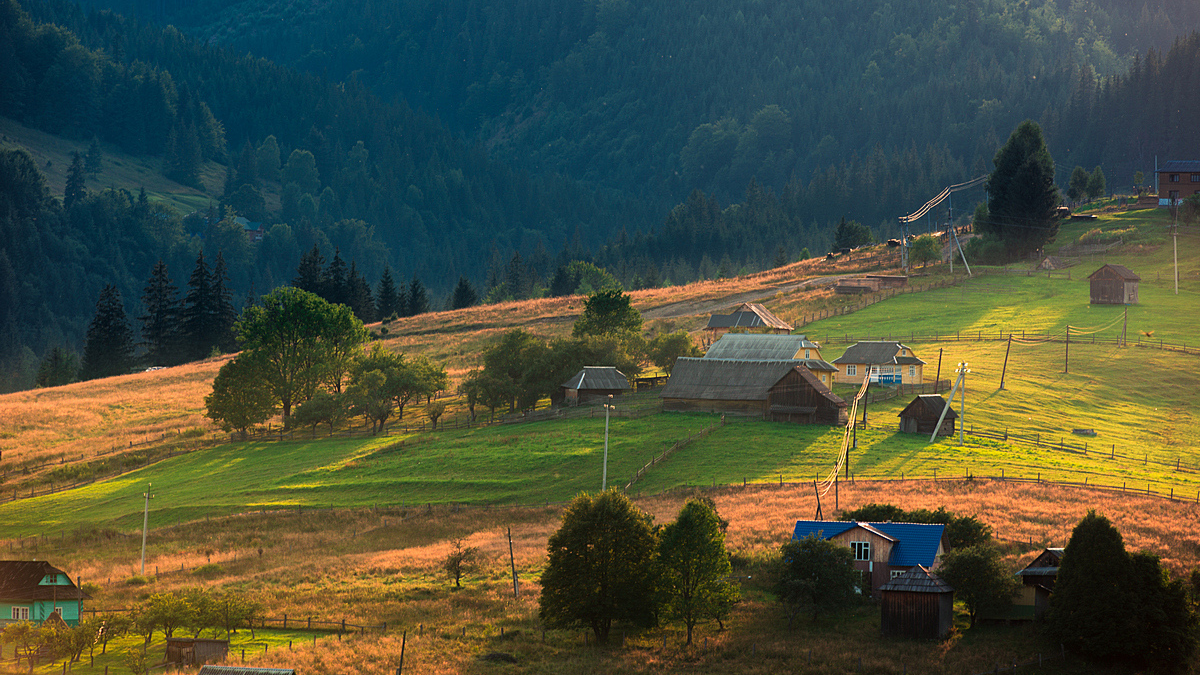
[
  {"x": 513, "y": 562},
  {"x": 145, "y": 524},
  {"x": 604, "y": 478},
  {"x": 1005, "y": 370},
  {"x": 962, "y": 400},
  {"x": 1067, "y": 352},
  {"x": 1175, "y": 238},
  {"x": 937, "y": 381},
  {"x": 1125, "y": 328}
]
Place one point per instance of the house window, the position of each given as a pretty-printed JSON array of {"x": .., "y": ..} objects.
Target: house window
[
  {"x": 851, "y": 371},
  {"x": 806, "y": 354},
  {"x": 1196, "y": 178},
  {"x": 897, "y": 573},
  {"x": 912, "y": 371},
  {"x": 822, "y": 378},
  {"x": 862, "y": 550},
  {"x": 20, "y": 613},
  {"x": 1173, "y": 178}
]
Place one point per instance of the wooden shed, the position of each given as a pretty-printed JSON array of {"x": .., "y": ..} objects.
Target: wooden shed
[
  {"x": 917, "y": 605},
  {"x": 779, "y": 390},
  {"x": 1114, "y": 285},
  {"x": 196, "y": 651},
  {"x": 921, "y": 416},
  {"x": 592, "y": 383}
]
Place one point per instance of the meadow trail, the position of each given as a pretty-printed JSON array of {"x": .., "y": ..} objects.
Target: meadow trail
[{"x": 695, "y": 307}]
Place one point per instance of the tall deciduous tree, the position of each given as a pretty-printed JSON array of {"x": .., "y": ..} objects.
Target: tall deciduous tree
[
  {"x": 600, "y": 566},
  {"x": 694, "y": 567},
  {"x": 1022, "y": 194},
  {"x": 606, "y": 312},
  {"x": 817, "y": 575},
  {"x": 666, "y": 348},
  {"x": 109, "y": 349},
  {"x": 160, "y": 323},
  {"x": 980, "y": 579},
  {"x": 240, "y": 397}
]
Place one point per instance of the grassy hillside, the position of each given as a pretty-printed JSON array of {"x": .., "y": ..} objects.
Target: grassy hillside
[{"x": 53, "y": 156}]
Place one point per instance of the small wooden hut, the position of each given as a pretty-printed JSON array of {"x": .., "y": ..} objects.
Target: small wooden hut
[
  {"x": 592, "y": 383},
  {"x": 921, "y": 416},
  {"x": 917, "y": 605},
  {"x": 1114, "y": 285},
  {"x": 196, "y": 651}
]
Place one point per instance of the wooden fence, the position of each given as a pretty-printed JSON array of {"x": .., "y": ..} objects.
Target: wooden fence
[{"x": 671, "y": 450}]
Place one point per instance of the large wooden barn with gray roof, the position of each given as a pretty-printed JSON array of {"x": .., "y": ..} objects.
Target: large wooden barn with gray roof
[
  {"x": 768, "y": 347},
  {"x": 783, "y": 390}
]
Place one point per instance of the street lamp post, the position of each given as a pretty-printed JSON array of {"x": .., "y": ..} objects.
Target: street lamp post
[{"x": 604, "y": 477}]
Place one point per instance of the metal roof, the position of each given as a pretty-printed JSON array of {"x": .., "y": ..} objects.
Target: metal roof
[
  {"x": 748, "y": 315},
  {"x": 916, "y": 543},
  {"x": 760, "y": 347},
  {"x": 918, "y": 580},
  {"x": 1121, "y": 271},
  {"x": 1180, "y": 165},
  {"x": 874, "y": 352},
  {"x": 598, "y": 377},
  {"x": 22, "y": 580},
  {"x": 724, "y": 379}
]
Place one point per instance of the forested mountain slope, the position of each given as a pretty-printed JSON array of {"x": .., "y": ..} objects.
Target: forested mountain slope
[{"x": 663, "y": 98}]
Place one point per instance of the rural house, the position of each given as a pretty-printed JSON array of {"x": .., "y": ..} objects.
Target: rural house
[
  {"x": 1037, "y": 581},
  {"x": 1114, "y": 285},
  {"x": 776, "y": 390},
  {"x": 922, "y": 415},
  {"x": 1178, "y": 180},
  {"x": 32, "y": 590},
  {"x": 897, "y": 363},
  {"x": 594, "y": 382},
  {"x": 750, "y": 316},
  {"x": 917, "y": 605},
  {"x": 882, "y": 551},
  {"x": 769, "y": 347}
]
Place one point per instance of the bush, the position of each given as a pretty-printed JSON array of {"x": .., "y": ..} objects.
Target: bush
[
  {"x": 209, "y": 571},
  {"x": 137, "y": 580},
  {"x": 985, "y": 251}
]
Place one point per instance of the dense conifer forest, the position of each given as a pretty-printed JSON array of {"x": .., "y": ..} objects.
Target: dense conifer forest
[{"x": 491, "y": 143}]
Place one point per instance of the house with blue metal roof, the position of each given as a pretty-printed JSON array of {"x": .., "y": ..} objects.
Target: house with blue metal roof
[{"x": 882, "y": 551}]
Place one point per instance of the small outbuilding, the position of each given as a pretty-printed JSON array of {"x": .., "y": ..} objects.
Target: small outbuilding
[
  {"x": 917, "y": 605},
  {"x": 196, "y": 651},
  {"x": 1037, "y": 583},
  {"x": 922, "y": 415},
  {"x": 1114, "y": 285},
  {"x": 592, "y": 383}
]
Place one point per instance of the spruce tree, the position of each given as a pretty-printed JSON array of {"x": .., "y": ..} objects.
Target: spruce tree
[
  {"x": 358, "y": 293},
  {"x": 464, "y": 295},
  {"x": 1096, "y": 185},
  {"x": 418, "y": 298},
  {"x": 198, "y": 333},
  {"x": 76, "y": 188},
  {"x": 334, "y": 281},
  {"x": 59, "y": 367},
  {"x": 95, "y": 157},
  {"x": 160, "y": 323},
  {"x": 387, "y": 300},
  {"x": 225, "y": 315},
  {"x": 1022, "y": 193},
  {"x": 109, "y": 347},
  {"x": 310, "y": 271}
]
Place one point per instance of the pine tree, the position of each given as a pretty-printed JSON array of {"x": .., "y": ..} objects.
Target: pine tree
[
  {"x": 464, "y": 295},
  {"x": 76, "y": 188},
  {"x": 387, "y": 300},
  {"x": 418, "y": 299},
  {"x": 310, "y": 271},
  {"x": 160, "y": 323},
  {"x": 109, "y": 347},
  {"x": 59, "y": 367},
  {"x": 333, "y": 283},
  {"x": 198, "y": 333},
  {"x": 1023, "y": 196},
  {"x": 358, "y": 293},
  {"x": 225, "y": 315},
  {"x": 95, "y": 157}
]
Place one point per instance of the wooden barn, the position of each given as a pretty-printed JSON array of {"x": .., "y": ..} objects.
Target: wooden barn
[
  {"x": 771, "y": 347},
  {"x": 1037, "y": 583},
  {"x": 196, "y": 651},
  {"x": 777, "y": 390},
  {"x": 917, "y": 605},
  {"x": 1114, "y": 285},
  {"x": 921, "y": 416},
  {"x": 592, "y": 383}
]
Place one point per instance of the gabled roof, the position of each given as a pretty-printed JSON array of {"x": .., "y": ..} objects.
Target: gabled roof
[
  {"x": 1120, "y": 270},
  {"x": 748, "y": 315},
  {"x": 759, "y": 347},
  {"x": 22, "y": 580},
  {"x": 724, "y": 379},
  {"x": 918, "y": 580},
  {"x": 873, "y": 352},
  {"x": 915, "y": 543},
  {"x": 927, "y": 405},
  {"x": 597, "y": 377},
  {"x": 1180, "y": 165}
]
